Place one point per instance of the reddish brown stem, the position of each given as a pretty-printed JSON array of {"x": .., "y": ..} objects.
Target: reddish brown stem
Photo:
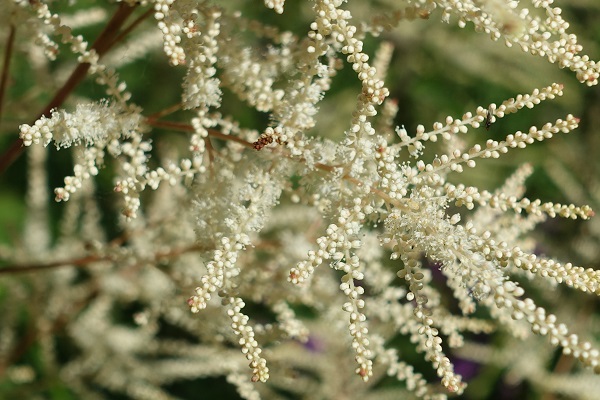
[
  {"x": 78, "y": 262},
  {"x": 101, "y": 46},
  {"x": 180, "y": 126},
  {"x": 10, "y": 41},
  {"x": 132, "y": 26},
  {"x": 165, "y": 112}
]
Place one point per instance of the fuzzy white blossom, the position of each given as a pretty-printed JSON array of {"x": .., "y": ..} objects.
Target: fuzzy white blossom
[
  {"x": 90, "y": 124},
  {"x": 257, "y": 202}
]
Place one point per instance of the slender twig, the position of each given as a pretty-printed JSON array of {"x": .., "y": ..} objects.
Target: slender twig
[
  {"x": 77, "y": 262},
  {"x": 33, "y": 334},
  {"x": 127, "y": 30},
  {"x": 102, "y": 44},
  {"x": 166, "y": 111},
  {"x": 111, "y": 246},
  {"x": 10, "y": 41},
  {"x": 183, "y": 127},
  {"x": 89, "y": 259}
]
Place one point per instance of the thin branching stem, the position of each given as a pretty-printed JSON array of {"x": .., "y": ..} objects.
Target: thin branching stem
[
  {"x": 102, "y": 45},
  {"x": 87, "y": 260},
  {"x": 183, "y": 127},
  {"x": 127, "y": 30},
  {"x": 165, "y": 111},
  {"x": 10, "y": 41}
]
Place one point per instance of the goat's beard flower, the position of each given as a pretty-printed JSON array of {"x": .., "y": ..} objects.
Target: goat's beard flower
[
  {"x": 91, "y": 124},
  {"x": 242, "y": 222}
]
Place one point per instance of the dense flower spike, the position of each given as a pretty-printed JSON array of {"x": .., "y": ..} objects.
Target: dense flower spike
[{"x": 264, "y": 151}]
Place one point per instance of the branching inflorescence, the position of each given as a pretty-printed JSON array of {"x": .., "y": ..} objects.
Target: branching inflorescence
[{"x": 252, "y": 215}]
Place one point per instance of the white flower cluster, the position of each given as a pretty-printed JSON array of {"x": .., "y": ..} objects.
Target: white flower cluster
[
  {"x": 233, "y": 195},
  {"x": 93, "y": 124}
]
